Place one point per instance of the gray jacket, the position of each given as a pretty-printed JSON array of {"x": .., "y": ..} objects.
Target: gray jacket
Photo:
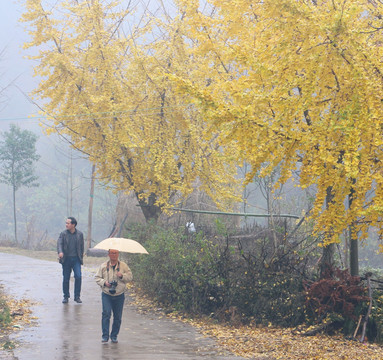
[{"x": 62, "y": 244}]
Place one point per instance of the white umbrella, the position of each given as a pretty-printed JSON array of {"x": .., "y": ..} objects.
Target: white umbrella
[{"x": 121, "y": 244}]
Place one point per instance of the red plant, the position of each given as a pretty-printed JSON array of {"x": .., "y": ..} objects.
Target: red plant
[{"x": 338, "y": 292}]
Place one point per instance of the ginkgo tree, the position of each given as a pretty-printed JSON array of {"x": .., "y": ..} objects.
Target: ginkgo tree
[
  {"x": 297, "y": 84},
  {"x": 104, "y": 88}
]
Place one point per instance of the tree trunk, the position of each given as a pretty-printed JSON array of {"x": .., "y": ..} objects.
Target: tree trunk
[
  {"x": 347, "y": 247},
  {"x": 271, "y": 223},
  {"x": 149, "y": 209},
  {"x": 327, "y": 261},
  {"x": 71, "y": 184},
  {"x": 90, "y": 210},
  {"x": 14, "y": 212},
  {"x": 354, "y": 256},
  {"x": 365, "y": 320}
]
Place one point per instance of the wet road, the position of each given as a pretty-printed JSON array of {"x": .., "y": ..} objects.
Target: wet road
[{"x": 73, "y": 331}]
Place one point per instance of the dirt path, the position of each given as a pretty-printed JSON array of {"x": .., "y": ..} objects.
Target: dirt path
[{"x": 73, "y": 331}]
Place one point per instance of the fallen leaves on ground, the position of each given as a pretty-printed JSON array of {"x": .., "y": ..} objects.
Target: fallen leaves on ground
[
  {"x": 21, "y": 316},
  {"x": 252, "y": 342},
  {"x": 268, "y": 342}
]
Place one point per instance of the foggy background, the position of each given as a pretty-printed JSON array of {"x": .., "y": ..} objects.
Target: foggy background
[{"x": 64, "y": 174}]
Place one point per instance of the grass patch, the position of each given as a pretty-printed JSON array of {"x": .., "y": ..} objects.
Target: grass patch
[
  {"x": 89, "y": 261},
  {"x": 5, "y": 314}
]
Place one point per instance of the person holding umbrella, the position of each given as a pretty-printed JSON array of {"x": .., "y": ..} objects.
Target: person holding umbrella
[{"x": 112, "y": 277}]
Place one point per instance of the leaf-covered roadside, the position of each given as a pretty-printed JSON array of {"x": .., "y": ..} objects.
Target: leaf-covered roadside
[
  {"x": 14, "y": 315},
  {"x": 252, "y": 342},
  {"x": 261, "y": 342}
]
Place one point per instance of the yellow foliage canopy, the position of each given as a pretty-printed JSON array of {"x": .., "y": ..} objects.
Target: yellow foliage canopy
[
  {"x": 108, "y": 93},
  {"x": 297, "y": 83}
]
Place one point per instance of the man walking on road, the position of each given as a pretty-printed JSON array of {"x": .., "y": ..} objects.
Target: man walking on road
[
  {"x": 112, "y": 277},
  {"x": 70, "y": 249}
]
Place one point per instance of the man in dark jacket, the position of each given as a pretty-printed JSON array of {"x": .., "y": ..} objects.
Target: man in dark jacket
[{"x": 70, "y": 249}]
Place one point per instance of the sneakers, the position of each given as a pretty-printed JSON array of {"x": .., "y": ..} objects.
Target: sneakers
[
  {"x": 105, "y": 340},
  {"x": 77, "y": 299}
]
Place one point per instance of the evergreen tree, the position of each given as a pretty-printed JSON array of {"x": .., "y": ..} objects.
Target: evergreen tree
[{"x": 17, "y": 157}]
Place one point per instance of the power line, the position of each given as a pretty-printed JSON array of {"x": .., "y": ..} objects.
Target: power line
[
  {"x": 145, "y": 111},
  {"x": 17, "y": 119}
]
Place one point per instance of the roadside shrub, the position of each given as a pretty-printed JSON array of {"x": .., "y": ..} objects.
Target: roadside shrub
[
  {"x": 179, "y": 273},
  {"x": 5, "y": 317},
  {"x": 375, "y": 322},
  {"x": 337, "y": 298},
  {"x": 213, "y": 277},
  {"x": 250, "y": 282},
  {"x": 272, "y": 297},
  {"x": 375, "y": 325}
]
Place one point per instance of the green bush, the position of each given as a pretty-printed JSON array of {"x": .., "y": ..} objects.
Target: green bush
[
  {"x": 272, "y": 297},
  {"x": 375, "y": 323},
  {"x": 211, "y": 277},
  {"x": 5, "y": 317},
  {"x": 175, "y": 272},
  {"x": 208, "y": 275}
]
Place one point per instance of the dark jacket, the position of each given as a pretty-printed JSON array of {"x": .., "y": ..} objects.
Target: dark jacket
[{"x": 62, "y": 244}]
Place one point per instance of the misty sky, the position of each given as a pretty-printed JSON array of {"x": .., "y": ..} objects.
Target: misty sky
[
  {"x": 16, "y": 76},
  {"x": 15, "y": 70}
]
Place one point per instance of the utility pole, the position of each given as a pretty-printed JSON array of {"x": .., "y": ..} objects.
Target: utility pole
[
  {"x": 90, "y": 211},
  {"x": 354, "y": 256}
]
